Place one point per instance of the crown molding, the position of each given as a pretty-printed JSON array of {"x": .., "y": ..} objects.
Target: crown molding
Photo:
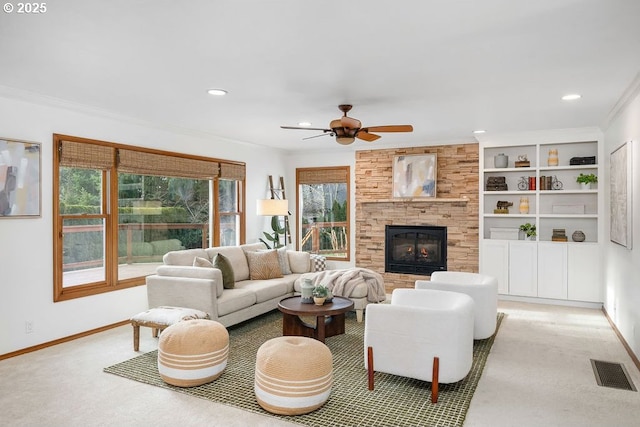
[{"x": 628, "y": 95}]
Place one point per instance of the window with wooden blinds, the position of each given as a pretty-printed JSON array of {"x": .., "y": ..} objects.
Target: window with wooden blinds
[
  {"x": 145, "y": 163},
  {"x": 120, "y": 208},
  {"x": 83, "y": 155},
  {"x": 323, "y": 196},
  {"x": 323, "y": 175},
  {"x": 232, "y": 171}
]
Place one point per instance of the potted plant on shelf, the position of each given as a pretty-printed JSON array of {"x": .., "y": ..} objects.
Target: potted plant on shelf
[
  {"x": 320, "y": 293},
  {"x": 529, "y": 231},
  {"x": 586, "y": 180}
]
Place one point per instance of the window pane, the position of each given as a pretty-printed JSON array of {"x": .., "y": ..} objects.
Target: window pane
[
  {"x": 228, "y": 199},
  {"x": 229, "y": 230},
  {"x": 158, "y": 215},
  {"x": 83, "y": 251},
  {"x": 80, "y": 191},
  {"x": 324, "y": 219}
]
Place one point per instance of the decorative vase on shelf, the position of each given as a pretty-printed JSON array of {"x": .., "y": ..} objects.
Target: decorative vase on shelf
[
  {"x": 318, "y": 300},
  {"x": 500, "y": 160},
  {"x": 578, "y": 236},
  {"x": 524, "y": 205},
  {"x": 552, "y": 160},
  {"x": 585, "y": 185},
  {"x": 306, "y": 292}
]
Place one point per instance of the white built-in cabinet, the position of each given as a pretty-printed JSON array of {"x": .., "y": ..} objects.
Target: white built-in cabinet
[{"x": 541, "y": 267}]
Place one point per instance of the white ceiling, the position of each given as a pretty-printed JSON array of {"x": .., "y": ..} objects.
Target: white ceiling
[{"x": 445, "y": 66}]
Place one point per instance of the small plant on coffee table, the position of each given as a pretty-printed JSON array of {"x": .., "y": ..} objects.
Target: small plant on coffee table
[{"x": 320, "y": 291}]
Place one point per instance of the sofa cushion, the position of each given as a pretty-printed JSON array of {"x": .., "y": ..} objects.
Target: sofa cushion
[
  {"x": 202, "y": 262},
  {"x": 236, "y": 257},
  {"x": 263, "y": 265},
  {"x": 266, "y": 290},
  {"x": 222, "y": 263},
  {"x": 184, "y": 257},
  {"x": 252, "y": 247},
  {"x": 299, "y": 261},
  {"x": 236, "y": 299}
]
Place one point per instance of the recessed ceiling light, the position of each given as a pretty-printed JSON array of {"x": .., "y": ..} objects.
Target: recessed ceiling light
[
  {"x": 217, "y": 92},
  {"x": 479, "y": 131},
  {"x": 304, "y": 124},
  {"x": 571, "y": 97}
]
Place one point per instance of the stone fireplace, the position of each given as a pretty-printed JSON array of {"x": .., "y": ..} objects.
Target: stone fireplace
[
  {"x": 454, "y": 207},
  {"x": 415, "y": 249}
]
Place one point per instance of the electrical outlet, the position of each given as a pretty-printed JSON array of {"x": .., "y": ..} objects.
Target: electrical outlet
[{"x": 28, "y": 327}]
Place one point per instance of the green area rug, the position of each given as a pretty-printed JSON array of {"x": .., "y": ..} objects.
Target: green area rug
[{"x": 396, "y": 401}]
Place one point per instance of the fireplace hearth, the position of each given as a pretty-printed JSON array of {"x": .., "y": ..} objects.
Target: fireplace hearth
[{"x": 415, "y": 249}]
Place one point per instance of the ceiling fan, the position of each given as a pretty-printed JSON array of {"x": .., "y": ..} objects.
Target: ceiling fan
[{"x": 347, "y": 129}]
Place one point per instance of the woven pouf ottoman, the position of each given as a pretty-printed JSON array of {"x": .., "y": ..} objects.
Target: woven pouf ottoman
[
  {"x": 293, "y": 375},
  {"x": 193, "y": 352}
]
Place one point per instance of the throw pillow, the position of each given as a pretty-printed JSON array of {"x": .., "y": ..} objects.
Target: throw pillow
[
  {"x": 283, "y": 258},
  {"x": 263, "y": 265},
  {"x": 319, "y": 262},
  {"x": 299, "y": 261},
  {"x": 222, "y": 263},
  {"x": 201, "y": 262}
]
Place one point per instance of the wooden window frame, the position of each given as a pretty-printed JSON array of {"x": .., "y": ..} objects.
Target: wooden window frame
[
  {"x": 233, "y": 170},
  {"x": 324, "y": 175}
]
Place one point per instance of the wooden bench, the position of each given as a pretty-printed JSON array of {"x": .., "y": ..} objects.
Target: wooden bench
[{"x": 160, "y": 318}]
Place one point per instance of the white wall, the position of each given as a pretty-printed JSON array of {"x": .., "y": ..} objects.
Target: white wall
[
  {"x": 26, "y": 261},
  {"x": 621, "y": 265}
]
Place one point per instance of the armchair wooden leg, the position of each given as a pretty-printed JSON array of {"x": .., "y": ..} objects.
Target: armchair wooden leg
[
  {"x": 370, "y": 367},
  {"x": 434, "y": 378}
]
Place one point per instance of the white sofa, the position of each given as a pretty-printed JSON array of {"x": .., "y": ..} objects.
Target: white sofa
[{"x": 178, "y": 283}]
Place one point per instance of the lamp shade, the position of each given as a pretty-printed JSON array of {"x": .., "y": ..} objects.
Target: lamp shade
[{"x": 272, "y": 207}]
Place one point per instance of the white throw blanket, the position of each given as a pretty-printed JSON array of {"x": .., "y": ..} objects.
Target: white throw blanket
[{"x": 342, "y": 282}]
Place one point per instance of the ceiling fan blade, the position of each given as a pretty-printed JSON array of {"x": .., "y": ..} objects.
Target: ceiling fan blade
[
  {"x": 390, "y": 128},
  {"x": 316, "y": 136},
  {"x": 305, "y": 128},
  {"x": 366, "y": 136}
]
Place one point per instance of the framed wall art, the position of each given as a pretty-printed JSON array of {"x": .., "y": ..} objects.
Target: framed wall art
[
  {"x": 415, "y": 175},
  {"x": 20, "y": 178},
  {"x": 621, "y": 175}
]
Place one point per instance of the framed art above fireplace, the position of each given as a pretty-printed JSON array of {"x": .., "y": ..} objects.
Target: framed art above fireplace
[{"x": 414, "y": 175}]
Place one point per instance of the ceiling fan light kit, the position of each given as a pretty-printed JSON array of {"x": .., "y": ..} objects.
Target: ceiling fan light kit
[{"x": 346, "y": 129}]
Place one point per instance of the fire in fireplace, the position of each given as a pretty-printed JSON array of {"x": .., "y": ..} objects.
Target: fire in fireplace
[{"x": 415, "y": 249}]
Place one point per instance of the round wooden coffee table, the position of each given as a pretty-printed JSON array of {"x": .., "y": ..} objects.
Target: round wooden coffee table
[{"x": 329, "y": 317}]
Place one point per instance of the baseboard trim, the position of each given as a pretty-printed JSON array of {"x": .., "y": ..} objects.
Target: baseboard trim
[
  {"x": 566, "y": 303},
  {"x": 61, "y": 340},
  {"x": 633, "y": 356}
]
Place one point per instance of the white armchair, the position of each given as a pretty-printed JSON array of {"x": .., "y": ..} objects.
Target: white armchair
[
  {"x": 421, "y": 334},
  {"x": 481, "y": 287}
]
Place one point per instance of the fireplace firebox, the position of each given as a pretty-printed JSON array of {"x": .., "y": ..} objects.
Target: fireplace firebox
[{"x": 415, "y": 249}]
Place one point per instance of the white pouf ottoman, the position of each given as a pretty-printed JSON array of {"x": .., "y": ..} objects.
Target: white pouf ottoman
[
  {"x": 193, "y": 352},
  {"x": 293, "y": 375}
]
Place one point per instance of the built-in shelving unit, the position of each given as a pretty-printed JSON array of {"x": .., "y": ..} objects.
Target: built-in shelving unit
[{"x": 540, "y": 268}]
